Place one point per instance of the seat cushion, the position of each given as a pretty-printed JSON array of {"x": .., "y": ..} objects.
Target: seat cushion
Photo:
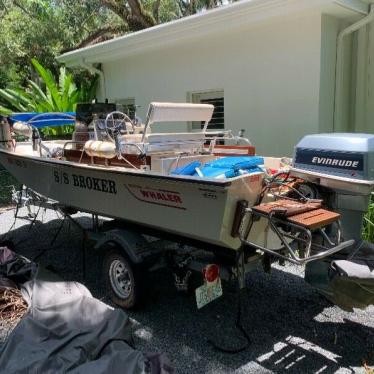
[{"x": 176, "y": 137}]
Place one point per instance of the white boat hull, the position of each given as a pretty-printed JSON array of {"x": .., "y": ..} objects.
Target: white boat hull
[{"x": 199, "y": 209}]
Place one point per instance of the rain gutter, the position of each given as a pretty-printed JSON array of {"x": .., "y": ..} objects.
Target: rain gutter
[{"x": 339, "y": 72}]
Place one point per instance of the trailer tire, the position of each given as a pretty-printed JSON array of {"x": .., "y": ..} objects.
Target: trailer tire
[{"x": 123, "y": 279}]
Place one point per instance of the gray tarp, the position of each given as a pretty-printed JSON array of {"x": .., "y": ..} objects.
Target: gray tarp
[
  {"x": 347, "y": 281},
  {"x": 67, "y": 330},
  {"x": 352, "y": 281}
]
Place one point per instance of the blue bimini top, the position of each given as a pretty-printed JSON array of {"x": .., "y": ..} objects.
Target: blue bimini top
[{"x": 44, "y": 119}]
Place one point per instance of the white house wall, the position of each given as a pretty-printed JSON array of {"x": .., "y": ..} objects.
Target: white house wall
[
  {"x": 362, "y": 97},
  {"x": 270, "y": 75}
]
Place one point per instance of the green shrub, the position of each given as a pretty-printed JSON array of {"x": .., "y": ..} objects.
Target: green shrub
[
  {"x": 59, "y": 94},
  {"x": 52, "y": 95},
  {"x": 368, "y": 229}
]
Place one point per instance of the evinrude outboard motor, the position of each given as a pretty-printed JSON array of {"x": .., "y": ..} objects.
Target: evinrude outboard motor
[{"x": 339, "y": 168}]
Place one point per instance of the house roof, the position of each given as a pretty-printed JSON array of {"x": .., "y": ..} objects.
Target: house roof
[{"x": 205, "y": 23}]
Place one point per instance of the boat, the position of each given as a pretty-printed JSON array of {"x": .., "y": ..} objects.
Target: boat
[
  {"x": 170, "y": 181},
  {"x": 207, "y": 188},
  {"x": 135, "y": 180}
]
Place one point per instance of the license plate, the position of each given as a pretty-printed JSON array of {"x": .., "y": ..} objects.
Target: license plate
[{"x": 208, "y": 292}]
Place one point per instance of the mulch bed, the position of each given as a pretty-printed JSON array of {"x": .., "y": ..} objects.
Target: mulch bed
[{"x": 12, "y": 305}]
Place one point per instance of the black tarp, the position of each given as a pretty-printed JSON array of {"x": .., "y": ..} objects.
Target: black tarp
[{"x": 16, "y": 268}]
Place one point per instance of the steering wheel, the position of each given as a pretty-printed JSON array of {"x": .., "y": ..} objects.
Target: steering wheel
[{"x": 114, "y": 125}]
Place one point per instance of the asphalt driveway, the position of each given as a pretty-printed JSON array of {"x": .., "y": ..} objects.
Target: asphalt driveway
[{"x": 293, "y": 329}]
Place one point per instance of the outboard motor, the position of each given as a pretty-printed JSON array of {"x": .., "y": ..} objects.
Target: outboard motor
[
  {"x": 339, "y": 168},
  {"x": 5, "y": 135}
]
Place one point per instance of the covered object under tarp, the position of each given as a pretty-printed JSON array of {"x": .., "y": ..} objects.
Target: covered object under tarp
[
  {"x": 347, "y": 280},
  {"x": 66, "y": 330}
]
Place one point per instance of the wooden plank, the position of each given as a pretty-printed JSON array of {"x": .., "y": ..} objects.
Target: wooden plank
[
  {"x": 286, "y": 207},
  {"x": 315, "y": 218}
]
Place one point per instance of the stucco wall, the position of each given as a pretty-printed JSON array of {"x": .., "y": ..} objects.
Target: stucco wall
[{"x": 270, "y": 75}]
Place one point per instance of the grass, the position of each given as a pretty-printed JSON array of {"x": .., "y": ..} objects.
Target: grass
[{"x": 368, "y": 229}]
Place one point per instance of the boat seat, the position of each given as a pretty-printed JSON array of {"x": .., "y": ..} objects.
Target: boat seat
[
  {"x": 165, "y": 137},
  {"x": 176, "y": 137},
  {"x": 132, "y": 138},
  {"x": 163, "y": 142}
]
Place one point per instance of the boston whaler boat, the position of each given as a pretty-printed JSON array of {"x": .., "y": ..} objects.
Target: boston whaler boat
[{"x": 207, "y": 189}]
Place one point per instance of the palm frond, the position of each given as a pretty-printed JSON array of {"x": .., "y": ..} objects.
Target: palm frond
[
  {"x": 49, "y": 81},
  {"x": 4, "y": 111},
  {"x": 14, "y": 103},
  {"x": 37, "y": 91},
  {"x": 61, "y": 79}
]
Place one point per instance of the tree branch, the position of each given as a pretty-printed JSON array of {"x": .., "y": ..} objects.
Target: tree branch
[
  {"x": 139, "y": 19},
  {"x": 116, "y": 8},
  {"x": 156, "y": 11},
  {"x": 98, "y": 36}
]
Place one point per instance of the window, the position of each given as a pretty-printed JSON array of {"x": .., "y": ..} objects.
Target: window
[
  {"x": 215, "y": 98},
  {"x": 127, "y": 106}
]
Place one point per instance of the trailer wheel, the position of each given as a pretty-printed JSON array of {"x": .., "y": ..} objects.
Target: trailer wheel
[{"x": 122, "y": 279}]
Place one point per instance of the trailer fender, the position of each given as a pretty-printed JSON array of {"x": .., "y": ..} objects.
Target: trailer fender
[{"x": 131, "y": 242}]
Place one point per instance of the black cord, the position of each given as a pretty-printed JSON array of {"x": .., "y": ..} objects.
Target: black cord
[
  {"x": 238, "y": 323},
  {"x": 239, "y": 326}
]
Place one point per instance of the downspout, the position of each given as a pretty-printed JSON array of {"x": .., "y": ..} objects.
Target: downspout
[
  {"x": 94, "y": 70},
  {"x": 339, "y": 75}
]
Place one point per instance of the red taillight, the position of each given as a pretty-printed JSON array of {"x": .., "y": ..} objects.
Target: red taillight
[{"x": 211, "y": 272}]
